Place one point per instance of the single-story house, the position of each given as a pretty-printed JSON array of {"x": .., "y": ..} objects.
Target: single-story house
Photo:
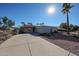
[
  {"x": 45, "y": 29},
  {"x": 38, "y": 29}
]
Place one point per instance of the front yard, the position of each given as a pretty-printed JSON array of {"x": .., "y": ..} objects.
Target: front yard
[{"x": 67, "y": 42}]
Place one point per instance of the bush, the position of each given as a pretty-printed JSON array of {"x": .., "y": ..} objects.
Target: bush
[
  {"x": 5, "y": 35},
  {"x": 15, "y": 31},
  {"x": 55, "y": 31},
  {"x": 76, "y": 35}
]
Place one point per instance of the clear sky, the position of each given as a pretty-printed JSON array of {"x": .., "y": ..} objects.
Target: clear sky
[{"x": 37, "y": 13}]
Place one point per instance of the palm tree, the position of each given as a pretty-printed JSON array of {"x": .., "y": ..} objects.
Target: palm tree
[{"x": 66, "y": 10}]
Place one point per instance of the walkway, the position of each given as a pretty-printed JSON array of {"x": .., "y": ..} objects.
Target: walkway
[{"x": 29, "y": 45}]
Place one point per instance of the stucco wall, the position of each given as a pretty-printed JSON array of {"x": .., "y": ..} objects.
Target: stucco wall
[{"x": 44, "y": 29}]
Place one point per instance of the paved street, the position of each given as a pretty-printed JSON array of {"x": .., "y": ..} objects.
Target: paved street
[{"x": 29, "y": 45}]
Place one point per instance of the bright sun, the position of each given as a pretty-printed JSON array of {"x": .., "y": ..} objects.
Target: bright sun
[{"x": 51, "y": 10}]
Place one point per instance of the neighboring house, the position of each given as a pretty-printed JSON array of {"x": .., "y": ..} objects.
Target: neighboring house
[
  {"x": 29, "y": 28},
  {"x": 26, "y": 29}
]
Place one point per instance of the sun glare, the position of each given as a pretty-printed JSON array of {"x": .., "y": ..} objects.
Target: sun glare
[{"x": 51, "y": 10}]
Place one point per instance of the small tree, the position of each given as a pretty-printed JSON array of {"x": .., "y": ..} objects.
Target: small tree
[
  {"x": 0, "y": 23},
  {"x": 23, "y": 23},
  {"x": 7, "y": 23},
  {"x": 11, "y": 23},
  {"x": 41, "y": 24},
  {"x": 37, "y": 24},
  {"x": 63, "y": 25},
  {"x": 75, "y": 27},
  {"x": 71, "y": 27},
  {"x": 29, "y": 23}
]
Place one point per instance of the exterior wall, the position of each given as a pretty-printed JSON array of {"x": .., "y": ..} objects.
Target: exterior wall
[{"x": 45, "y": 29}]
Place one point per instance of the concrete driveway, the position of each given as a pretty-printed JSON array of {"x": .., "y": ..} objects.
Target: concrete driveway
[{"x": 29, "y": 45}]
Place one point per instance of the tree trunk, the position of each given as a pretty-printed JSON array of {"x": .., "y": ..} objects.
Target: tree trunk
[{"x": 68, "y": 32}]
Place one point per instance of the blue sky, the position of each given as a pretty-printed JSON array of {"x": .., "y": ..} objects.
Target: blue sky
[{"x": 37, "y": 13}]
